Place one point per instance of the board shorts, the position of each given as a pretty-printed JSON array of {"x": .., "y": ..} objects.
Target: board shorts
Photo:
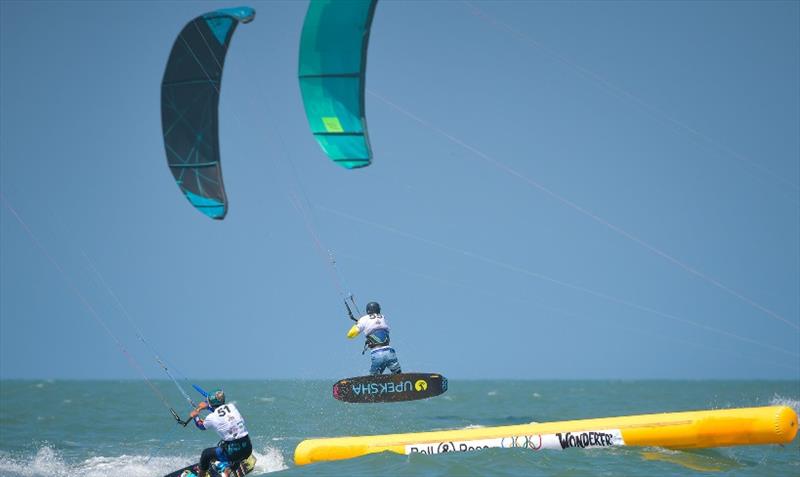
[
  {"x": 383, "y": 358},
  {"x": 227, "y": 452}
]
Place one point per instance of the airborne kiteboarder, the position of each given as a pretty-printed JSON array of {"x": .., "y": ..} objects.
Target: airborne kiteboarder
[
  {"x": 378, "y": 387},
  {"x": 376, "y": 330}
]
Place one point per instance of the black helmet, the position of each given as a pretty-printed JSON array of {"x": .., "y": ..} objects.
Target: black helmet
[{"x": 373, "y": 308}]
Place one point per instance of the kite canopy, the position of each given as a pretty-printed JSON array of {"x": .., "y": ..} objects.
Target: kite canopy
[
  {"x": 189, "y": 100},
  {"x": 333, "y": 61}
]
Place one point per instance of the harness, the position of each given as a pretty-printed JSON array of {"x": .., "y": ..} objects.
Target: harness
[
  {"x": 235, "y": 446},
  {"x": 376, "y": 339}
]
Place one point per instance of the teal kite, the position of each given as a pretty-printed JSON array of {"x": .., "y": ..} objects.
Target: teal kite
[{"x": 332, "y": 66}]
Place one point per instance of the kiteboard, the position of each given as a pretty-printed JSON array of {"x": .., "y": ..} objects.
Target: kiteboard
[
  {"x": 390, "y": 387},
  {"x": 217, "y": 470}
]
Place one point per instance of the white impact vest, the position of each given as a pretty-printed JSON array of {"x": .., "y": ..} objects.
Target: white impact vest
[
  {"x": 368, "y": 324},
  {"x": 227, "y": 421}
]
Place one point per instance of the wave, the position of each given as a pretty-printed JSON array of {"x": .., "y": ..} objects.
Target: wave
[
  {"x": 778, "y": 400},
  {"x": 271, "y": 460},
  {"x": 473, "y": 426},
  {"x": 49, "y": 462}
]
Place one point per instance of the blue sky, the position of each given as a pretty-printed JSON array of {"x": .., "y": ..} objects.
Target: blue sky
[{"x": 559, "y": 190}]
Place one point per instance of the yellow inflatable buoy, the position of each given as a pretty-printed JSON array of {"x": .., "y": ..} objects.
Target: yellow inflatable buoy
[{"x": 676, "y": 430}]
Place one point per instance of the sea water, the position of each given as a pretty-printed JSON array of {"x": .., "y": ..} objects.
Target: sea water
[{"x": 120, "y": 428}]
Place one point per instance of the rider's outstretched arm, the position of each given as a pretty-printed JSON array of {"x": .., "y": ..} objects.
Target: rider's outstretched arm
[{"x": 196, "y": 412}]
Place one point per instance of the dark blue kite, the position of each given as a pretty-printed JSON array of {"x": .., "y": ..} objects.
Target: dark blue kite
[{"x": 189, "y": 99}]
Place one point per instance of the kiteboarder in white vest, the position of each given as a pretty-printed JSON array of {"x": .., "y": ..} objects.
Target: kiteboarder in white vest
[
  {"x": 375, "y": 328},
  {"x": 224, "y": 418}
]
